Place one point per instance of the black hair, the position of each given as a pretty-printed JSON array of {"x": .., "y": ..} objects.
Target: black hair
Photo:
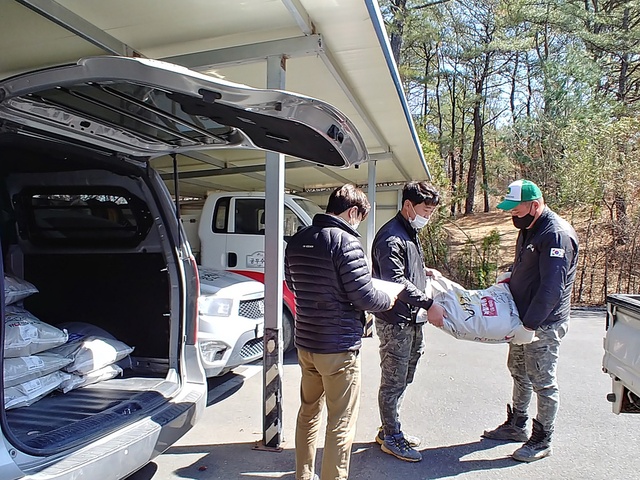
[
  {"x": 420, "y": 192},
  {"x": 346, "y": 197}
]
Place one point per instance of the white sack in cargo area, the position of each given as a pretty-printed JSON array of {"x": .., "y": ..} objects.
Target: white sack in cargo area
[
  {"x": 22, "y": 369},
  {"x": 28, "y": 393},
  {"x": 16, "y": 289},
  {"x": 76, "y": 381},
  {"x": 83, "y": 329},
  {"x": 25, "y": 335},
  {"x": 92, "y": 353}
]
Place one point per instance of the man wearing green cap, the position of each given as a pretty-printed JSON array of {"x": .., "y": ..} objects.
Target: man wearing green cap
[{"x": 541, "y": 280}]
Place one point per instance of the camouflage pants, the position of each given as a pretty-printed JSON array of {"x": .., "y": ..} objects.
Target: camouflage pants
[
  {"x": 401, "y": 346},
  {"x": 533, "y": 368}
]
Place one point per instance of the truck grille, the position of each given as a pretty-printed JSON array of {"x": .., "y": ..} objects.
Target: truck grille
[
  {"x": 252, "y": 308},
  {"x": 252, "y": 348}
]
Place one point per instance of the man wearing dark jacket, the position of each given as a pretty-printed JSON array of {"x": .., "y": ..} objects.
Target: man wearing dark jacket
[
  {"x": 326, "y": 269},
  {"x": 397, "y": 257},
  {"x": 541, "y": 281}
]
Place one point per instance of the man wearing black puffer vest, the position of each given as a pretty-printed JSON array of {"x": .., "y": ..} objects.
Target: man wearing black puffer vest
[{"x": 326, "y": 269}]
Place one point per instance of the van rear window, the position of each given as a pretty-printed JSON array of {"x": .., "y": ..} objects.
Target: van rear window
[{"x": 82, "y": 216}]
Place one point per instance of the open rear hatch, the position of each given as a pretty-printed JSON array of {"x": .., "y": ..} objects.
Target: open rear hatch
[{"x": 145, "y": 107}]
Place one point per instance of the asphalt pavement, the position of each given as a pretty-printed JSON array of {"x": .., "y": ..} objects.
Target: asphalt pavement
[{"x": 460, "y": 390}]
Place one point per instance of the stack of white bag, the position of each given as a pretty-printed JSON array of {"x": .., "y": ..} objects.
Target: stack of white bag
[
  {"x": 40, "y": 358},
  {"x": 488, "y": 316},
  {"x": 30, "y": 372},
  {"x": 93, "y": 353}
]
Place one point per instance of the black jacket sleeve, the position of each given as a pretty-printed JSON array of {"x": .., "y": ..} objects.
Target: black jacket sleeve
[
  {"x": 355, "y": 275},
  {"x": 390, "y": 257}
]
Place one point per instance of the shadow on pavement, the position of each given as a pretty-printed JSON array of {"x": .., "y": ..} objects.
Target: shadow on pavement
[
  {"x": 369, "y": 462},
  {"x": 241, "y": 461},
  {"x": 235, "y": 461},
  {"x": 222, "y": 387},
  {"x": 145, "y": 473}
]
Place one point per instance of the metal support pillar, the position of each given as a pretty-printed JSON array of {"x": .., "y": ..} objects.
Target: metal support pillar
[
  {"x": 371, "y": 194},
  {"x": 274, "y": 261},
  {"x": 369, "y": 321}
]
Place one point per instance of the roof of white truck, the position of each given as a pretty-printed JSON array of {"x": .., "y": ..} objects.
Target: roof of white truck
[{"x": 246, "y": 194}]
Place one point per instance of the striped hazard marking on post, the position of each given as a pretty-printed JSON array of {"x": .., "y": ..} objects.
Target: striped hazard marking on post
[
  {"x": 273, "y": 426},
  {"x": 272, "y": 405}
]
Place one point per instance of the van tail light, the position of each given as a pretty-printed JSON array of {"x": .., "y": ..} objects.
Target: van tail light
[{"x": 192, "y": 294}]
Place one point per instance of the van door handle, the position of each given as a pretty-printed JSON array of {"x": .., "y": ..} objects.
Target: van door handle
[{"x": 232, "y": 259}]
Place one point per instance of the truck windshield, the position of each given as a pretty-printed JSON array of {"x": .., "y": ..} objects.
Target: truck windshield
[{"x": 308, "y": 206}]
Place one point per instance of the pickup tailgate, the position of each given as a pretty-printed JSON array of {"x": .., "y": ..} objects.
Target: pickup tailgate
[{"x": 622, "y": 345}]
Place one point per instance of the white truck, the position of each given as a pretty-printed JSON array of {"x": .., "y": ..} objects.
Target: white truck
[
  {"x": 230, "y": 319},
  {"x": 622, "y": 352},
  {"x": 228, "y": 234}
]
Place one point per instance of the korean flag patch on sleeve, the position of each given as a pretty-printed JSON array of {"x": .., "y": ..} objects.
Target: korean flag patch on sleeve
[{"x": 557, "y": 252}]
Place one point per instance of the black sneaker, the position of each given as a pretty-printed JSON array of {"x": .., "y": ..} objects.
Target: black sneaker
[
  {"x": 513, "y": 430},
  {"x": 398, "y": 446},
  {"x": 537, "y": 447},
  {"x": 411, "y": 440}
]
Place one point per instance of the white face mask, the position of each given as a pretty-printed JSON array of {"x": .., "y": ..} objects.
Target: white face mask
[{"x": 418, "y": 221}]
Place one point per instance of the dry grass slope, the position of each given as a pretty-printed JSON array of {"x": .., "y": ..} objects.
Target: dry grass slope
[{"x": 478, "y": 226}]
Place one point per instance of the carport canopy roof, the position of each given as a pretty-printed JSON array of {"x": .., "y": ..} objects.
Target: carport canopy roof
[{"x": 334, "y": 50}]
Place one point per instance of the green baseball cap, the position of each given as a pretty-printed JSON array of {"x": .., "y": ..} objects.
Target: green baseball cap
[{"x": 520, "y": 191}]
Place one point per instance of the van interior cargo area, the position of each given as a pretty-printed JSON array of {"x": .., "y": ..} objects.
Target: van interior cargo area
[
  {"x": 123, "y": 289},
  {"x": 63, "y": 420},
  {"x": 125, "y": 294}
]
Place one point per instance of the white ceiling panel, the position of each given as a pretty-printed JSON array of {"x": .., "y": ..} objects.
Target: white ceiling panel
[{"x": 350, "y": 67}]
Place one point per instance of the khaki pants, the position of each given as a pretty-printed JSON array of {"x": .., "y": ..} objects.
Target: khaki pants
[{"x": 335, "y": 379}]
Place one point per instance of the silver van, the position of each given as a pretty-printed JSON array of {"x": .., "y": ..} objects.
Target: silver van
[{"x": 88, "y": 222}]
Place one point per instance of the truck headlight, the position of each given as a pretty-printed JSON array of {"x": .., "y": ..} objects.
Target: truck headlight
[{"x": 215, "y": 306}]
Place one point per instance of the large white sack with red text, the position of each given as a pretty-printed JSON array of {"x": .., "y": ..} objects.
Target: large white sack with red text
[{"x": 488, "y": 315}]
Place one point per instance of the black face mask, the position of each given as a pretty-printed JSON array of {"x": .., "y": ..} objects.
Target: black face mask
[{"x": 522, "y": 222}]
